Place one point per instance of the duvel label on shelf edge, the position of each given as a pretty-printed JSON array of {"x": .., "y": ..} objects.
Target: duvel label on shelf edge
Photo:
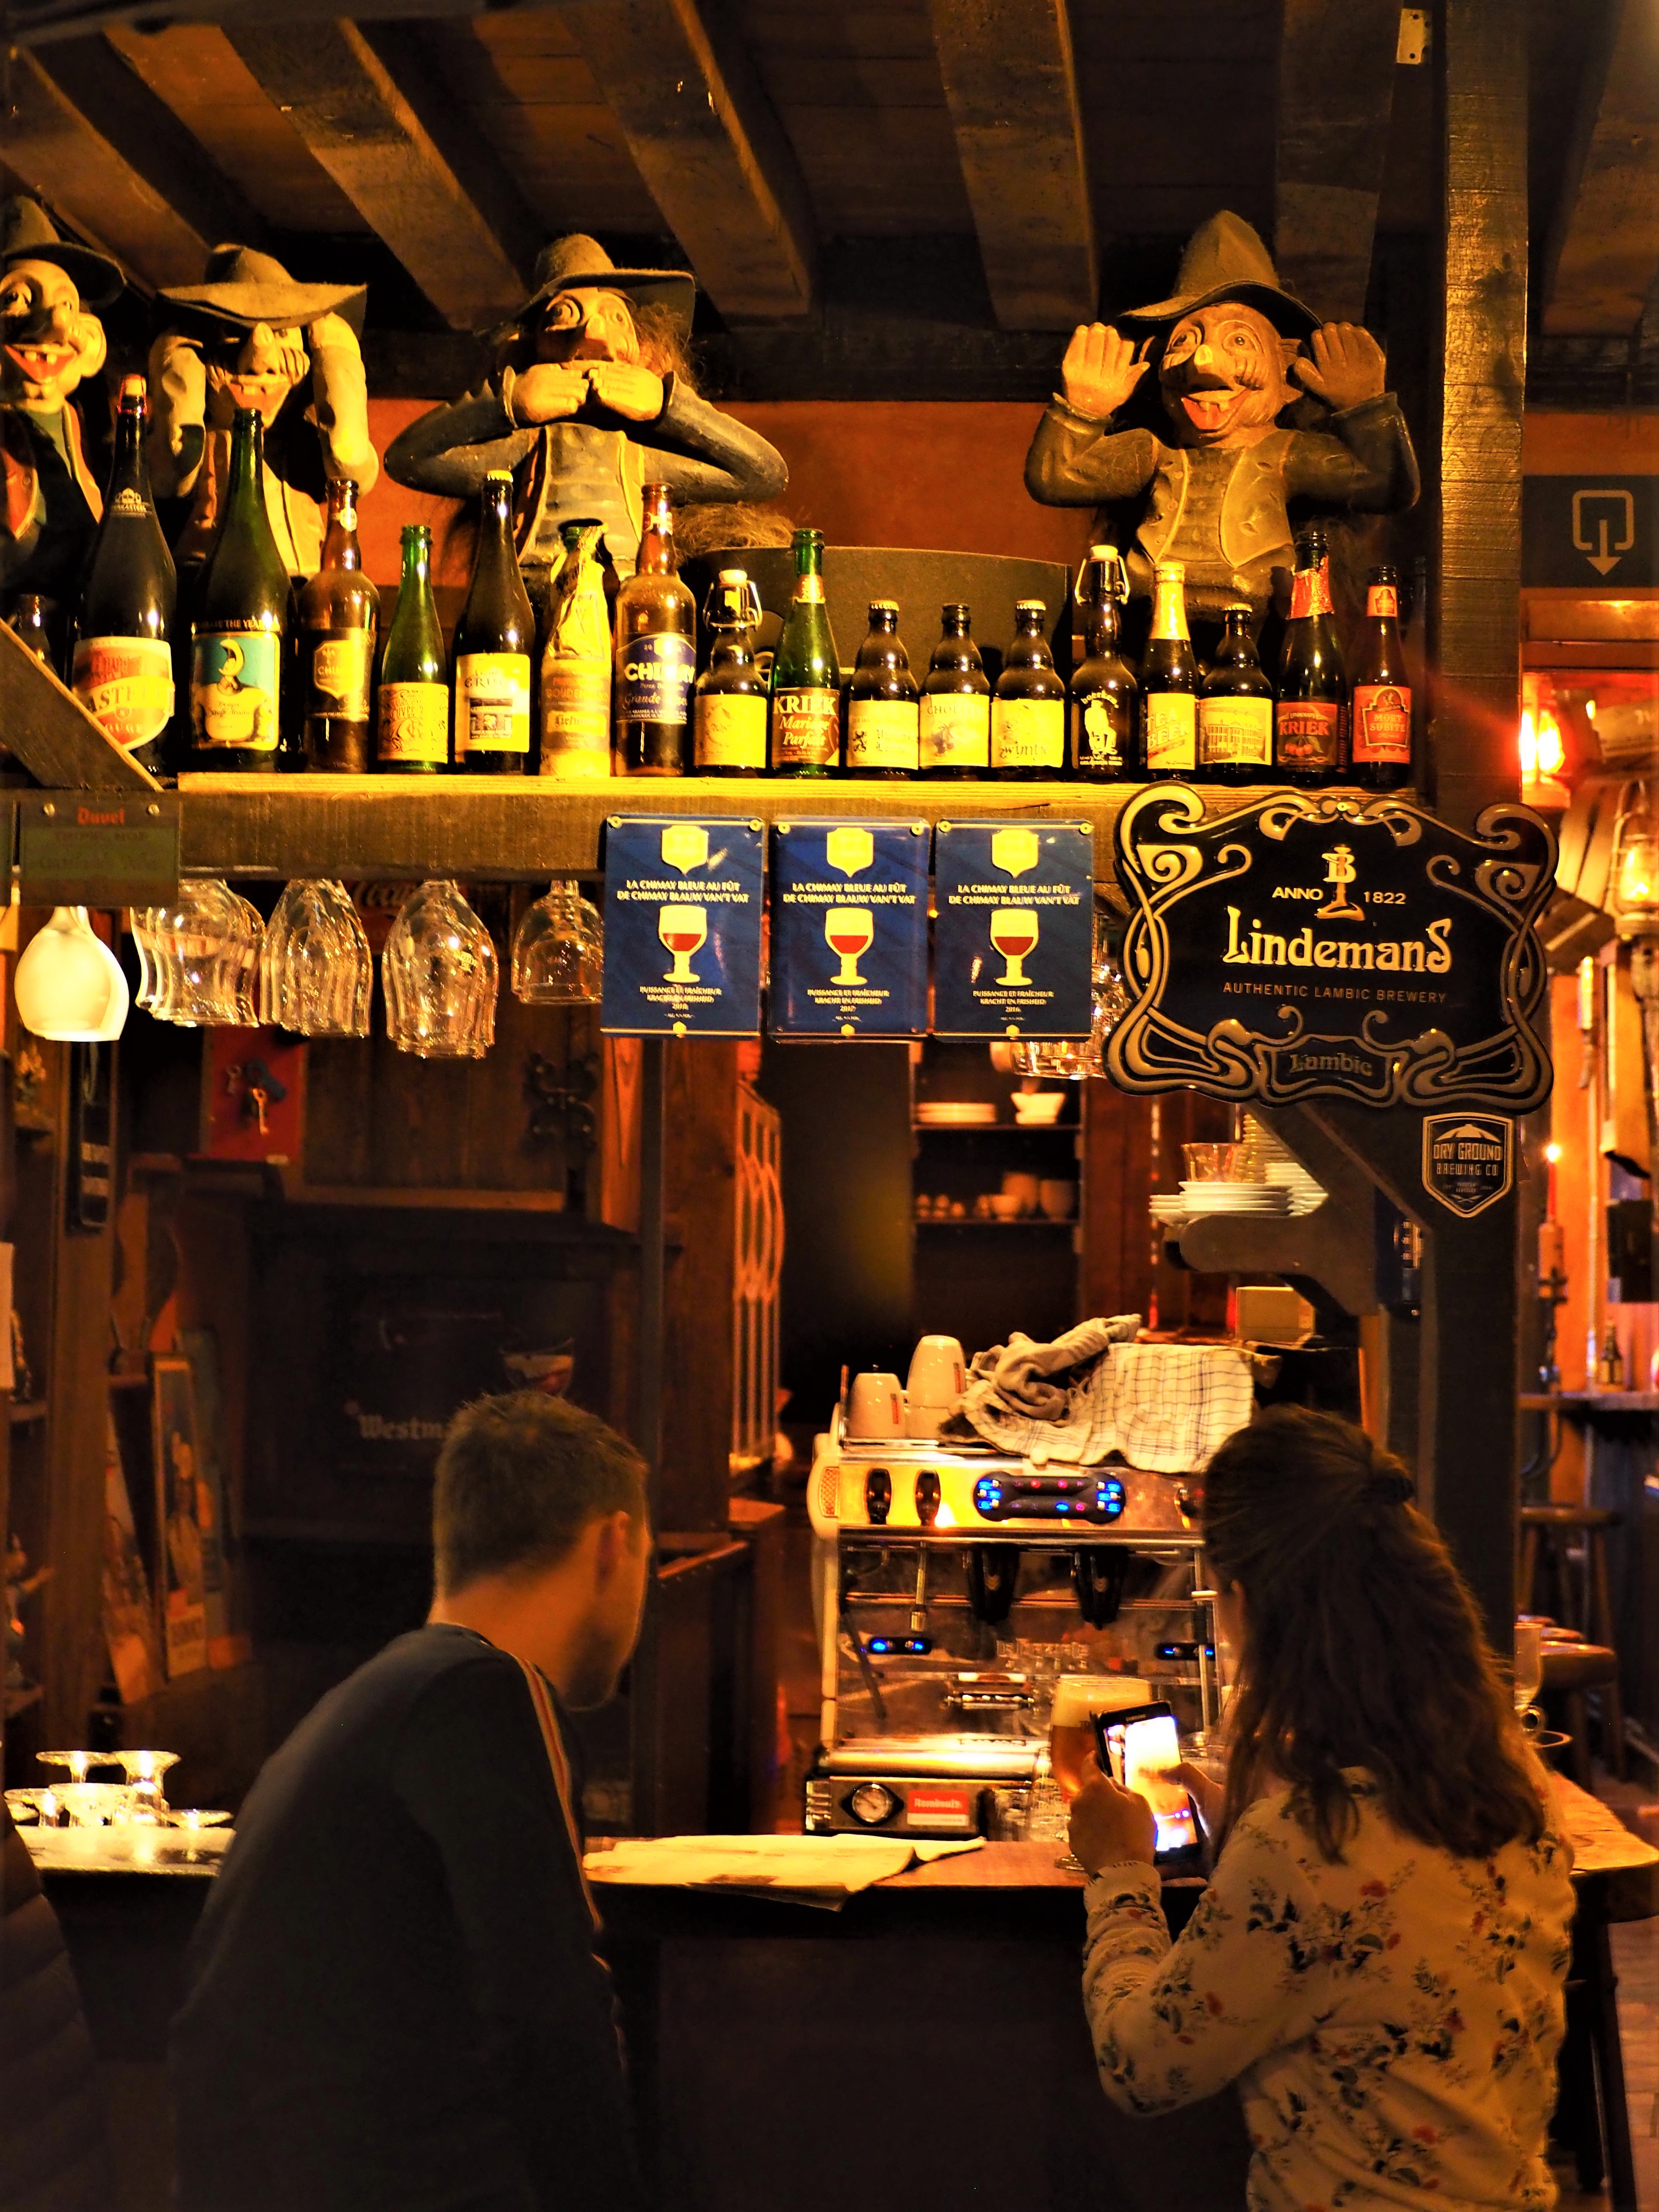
[{"x": 1314, "y": 946}]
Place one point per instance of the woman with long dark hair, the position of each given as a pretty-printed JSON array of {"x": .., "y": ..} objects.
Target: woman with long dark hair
[{"x": 1379, "y": 1959}]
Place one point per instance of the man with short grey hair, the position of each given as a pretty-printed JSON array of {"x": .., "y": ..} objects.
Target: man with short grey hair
[{"x": 395, "y": 2005}]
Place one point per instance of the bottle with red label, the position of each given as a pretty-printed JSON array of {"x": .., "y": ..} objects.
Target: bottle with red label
[
  {"x": 1310, "y": 723},
  {"x": 1381, "y": 724},
  {"x": 122, "y": 668}
]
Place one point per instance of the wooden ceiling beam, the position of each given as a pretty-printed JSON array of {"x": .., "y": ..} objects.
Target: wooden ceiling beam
[
  {"x": 1602, "y": 254},
  {"x": 100, "y": 193},
  {"x": 710, "y": 149},
  {"x": 1336, "y": 65},
  {"x": 425, "y": 192},
  {"x": 1011, "y": 85}
]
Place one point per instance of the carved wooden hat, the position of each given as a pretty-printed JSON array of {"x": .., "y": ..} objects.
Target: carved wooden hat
[
  {"x": 27, "y": 234},
  {"x": 578, "y": 261},
  {"x": 1224, "y": 259},
  {"x": 242, "y": 287}
]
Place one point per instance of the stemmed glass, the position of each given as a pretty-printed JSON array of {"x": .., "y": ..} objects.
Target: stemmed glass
[
  {"x": 684, "y": 930},
  {"x": 196, "y": 954},
  {"x": 558, "y": 950},
  {"x": 848, "y": 931},
  {"x": 1529, "y": 1675},
  {"x": 316, "y": 972},
  {"x": 1014, "y": 935},
  {"x": 440, "y": 975}
]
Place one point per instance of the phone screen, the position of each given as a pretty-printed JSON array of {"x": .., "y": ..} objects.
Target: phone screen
[{"x": 1140, "y": 1751}]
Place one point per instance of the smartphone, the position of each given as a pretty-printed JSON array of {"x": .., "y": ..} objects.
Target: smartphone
[{"x": 1137, "y": 1744}]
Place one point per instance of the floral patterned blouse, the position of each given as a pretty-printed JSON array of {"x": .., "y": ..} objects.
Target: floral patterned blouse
[{"x": 1391, "y": 2022}]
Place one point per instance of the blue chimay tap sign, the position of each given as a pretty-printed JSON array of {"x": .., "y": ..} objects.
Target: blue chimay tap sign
[
  {"x": 849, "y": 929},
  {"x": 1308, "y": 947},
  {"x": 682, "y": 927},
  {"x": 1013, "y": 938}
]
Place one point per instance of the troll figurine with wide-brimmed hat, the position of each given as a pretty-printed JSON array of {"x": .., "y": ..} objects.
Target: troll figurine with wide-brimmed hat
[
  {"x": 50, "y": 344},
  {"x": 1213, "y": 484},
  {"x": 590, "y": 399},
  {"x": 249, "y": 335}
]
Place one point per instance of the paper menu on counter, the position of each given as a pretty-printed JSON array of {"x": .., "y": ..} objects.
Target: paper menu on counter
[{"x": 800, "y": 1869}]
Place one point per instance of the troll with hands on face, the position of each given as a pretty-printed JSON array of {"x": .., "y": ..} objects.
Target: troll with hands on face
[
  {"x": 49, "y": 345},
  {"x": 1214, "y": 485},
  {"x": 249, "y": 336}
]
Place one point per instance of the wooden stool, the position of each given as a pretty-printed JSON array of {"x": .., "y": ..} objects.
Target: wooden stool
[
  {"x": 1592, "y": 2115},
  {"x": 1569, "y": 1670},
  {"x": 1547, "y": 1535}
]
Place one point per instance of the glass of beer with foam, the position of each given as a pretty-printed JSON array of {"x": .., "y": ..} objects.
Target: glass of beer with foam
[{"x": 1072, "y": 1744}]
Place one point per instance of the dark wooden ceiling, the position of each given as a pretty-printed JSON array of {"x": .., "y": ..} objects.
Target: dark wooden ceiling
[{"x": 999, "y": 167}]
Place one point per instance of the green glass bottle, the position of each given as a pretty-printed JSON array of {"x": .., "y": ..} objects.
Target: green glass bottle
[
  {"x": 1028, "y": 708},
  {"x": 493, "y": 640},
  {"x": 239, "y": 638},
  {"x": 1235, "y": 709},
  {"x": 412, "y": 728},
  {"x": 807, "y": 675},
  {"x": 122, "y": 671},
  {"x": 884, "y": 703}
]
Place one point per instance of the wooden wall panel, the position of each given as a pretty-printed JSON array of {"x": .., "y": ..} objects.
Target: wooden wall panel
[
  {"x": 1602, "y": 254},
  {"x": 701, "y": 1203},
  {"x": 1116, "y": 1274}
]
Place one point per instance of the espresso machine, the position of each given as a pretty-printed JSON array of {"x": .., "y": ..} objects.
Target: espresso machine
[{"x": 953, "y": 1585}]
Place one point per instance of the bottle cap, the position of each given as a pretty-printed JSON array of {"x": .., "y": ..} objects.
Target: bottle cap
[
  {"x": 133, "y": 387},
  {"x": 413, "y": 532},
  {"x": 955, "y": 611},
  {"x": 1031, "y": 606},
  {"x": 884, "y": 607},
  {"x": 734, "y": 575},
  {"x": 498, "y": 476}
]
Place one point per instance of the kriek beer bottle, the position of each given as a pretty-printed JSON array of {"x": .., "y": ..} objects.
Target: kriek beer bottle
[{"x": 807, "y": 675}]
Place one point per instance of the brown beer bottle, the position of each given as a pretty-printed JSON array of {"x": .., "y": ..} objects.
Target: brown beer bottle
[
  {"x": 956, "y": 704},
  {"x": 1105, "y": 736},
  {"x": 1381, "y": 717},
  {"x": 1310, "y": 723},
  {"x": 656, "y": 626},
  {"x": 1028, "y": 712},
  {"x": 339, "y": 613},
  {"x": 1235, "y": 709},
  {"x": 884, "y": 703},
  {"x": 1169, "y": 679},
  {"x": 730, "y": 706}
]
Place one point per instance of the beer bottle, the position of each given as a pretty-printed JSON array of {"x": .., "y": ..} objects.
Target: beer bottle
[
  {"x": 884, "y": 703},
  {"x": 413, "y": 728},
  {"x": 1027, "y": 710},
  {"x": 656, "y": 652},
  {"x": 807, "y": 675},
  {"x": 956, "y": 704},
  {"x": 1381, "y": 714},
  {"x": 1310, "y": 720},
  {"x": 493, "y": 642},
  {"x": 339, "y": 615},
  {"x": 1169, "y": 679},
  {"x": 30, "y": 620},
  {"x": 1235, "y": 709},
  {"x": 122, "y": 668},
  {"x": 239, "y": 637},
  {"x": 730, "y": 710},
  {"x": 1104, "y": 739},
  {"x": 575, "y": 687}
]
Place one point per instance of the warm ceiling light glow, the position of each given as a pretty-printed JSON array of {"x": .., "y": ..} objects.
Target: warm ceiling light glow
[
  {"x": 69, "y": 984},
  {"x": 1552, "y": 1153},
  {"x": 1529, "y": 747},
  {"x": 1589, "y": 710},
  {"x": 1552, "y": 754}
]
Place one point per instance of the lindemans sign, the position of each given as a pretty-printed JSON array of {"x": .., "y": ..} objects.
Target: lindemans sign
[{"x": 1308, "y": 947}]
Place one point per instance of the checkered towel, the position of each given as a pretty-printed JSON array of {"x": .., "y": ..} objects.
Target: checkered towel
[{"x": 1167, "y": 1407}]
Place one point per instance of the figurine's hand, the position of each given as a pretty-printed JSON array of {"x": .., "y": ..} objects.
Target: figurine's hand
[
  {"x": 331, "y": 333},
  {"x": 178, "y": 378},
  {"x": 626, "y": 389},
  {"x": 1348, "y": 366},
  {"x": 1101, "y": 369},
  {"x": 548, "y": 391}
]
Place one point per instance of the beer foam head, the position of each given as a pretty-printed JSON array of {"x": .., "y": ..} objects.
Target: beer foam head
[{"x": 1077, "y": 1696}]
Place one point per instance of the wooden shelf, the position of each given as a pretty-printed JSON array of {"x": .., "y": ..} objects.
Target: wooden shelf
[
  {"x": 1577, "y": 1403},
  {"x": 981, "y": 1221},
  {"x": 504, "y": 829},
  {"x": 997, "y": 1128}
]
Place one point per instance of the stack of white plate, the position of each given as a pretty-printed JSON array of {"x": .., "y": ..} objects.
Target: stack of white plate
[
  {"x": 956, "y": 1114},
  {"x": 1306, "y": 1191},
  {"x": 1253, "y": 1198},
  {"x": 1168, "y": 1206}
]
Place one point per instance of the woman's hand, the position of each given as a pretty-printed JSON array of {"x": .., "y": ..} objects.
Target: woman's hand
[
  {"x": 1111, "y": 1824},
  {"x": 1207, "y": 1794}
]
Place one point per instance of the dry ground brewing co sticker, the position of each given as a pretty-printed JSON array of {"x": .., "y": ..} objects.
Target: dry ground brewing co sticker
[
  {"x": 849, "y": 929},
  {"x": 682, "y": 927},
  {"x": 1468, "y": 1160},
  {"x": 1014, "y": 934},
  {"x": 1309, "y": 947}
]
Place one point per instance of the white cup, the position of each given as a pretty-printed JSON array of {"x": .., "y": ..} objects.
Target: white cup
[
  {"x": 875, "y": 1408},
  {"x": 1025, "y": 1187},
  {"x": 938, "y": 1377},
  {"x": 1058, "y": 1199}
]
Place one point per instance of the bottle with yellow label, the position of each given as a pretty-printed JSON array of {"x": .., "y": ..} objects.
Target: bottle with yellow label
[
  {"x": 1235, "y": 709},
  {"x": 807, "y": 674},
  {"x": 955, "y": 703},
  {"x": 1169, "y": 679},
  {"x": 884, "y": 703},
  {"x": 493, "y": 642},
  {"x": 412, "y": 717},
  {"x": 1028, "y": 712},
  {"x": 575, "y": 687},
  {"x": 729, "y": 710},
  {"x": 339, "y": 612}
]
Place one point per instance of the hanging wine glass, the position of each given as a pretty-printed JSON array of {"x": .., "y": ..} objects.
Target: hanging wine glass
[
  {"x": 558, "y": 950},
  {"x": 440, "y": 975},
  {"x": 316, "y": 971}
]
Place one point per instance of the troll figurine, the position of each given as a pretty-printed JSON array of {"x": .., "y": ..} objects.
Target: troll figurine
[
  {"x": 1214, "y": 485},
  {"x": 50, "y": 344},
  {"x": 590, "y": 400},
  {"x": 249, "y": 335}
]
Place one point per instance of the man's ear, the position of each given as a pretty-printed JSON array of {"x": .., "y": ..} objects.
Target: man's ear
[{"x": 613, "y": 1542}]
